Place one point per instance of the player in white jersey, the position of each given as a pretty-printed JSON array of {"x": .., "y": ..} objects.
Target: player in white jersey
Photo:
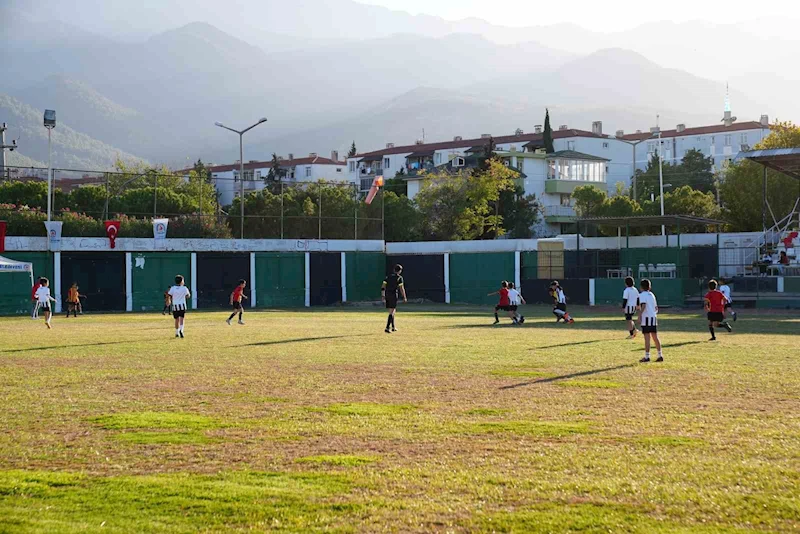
[
  {"x": 725, "y": 289},
  {"x": 630, "y": 303},
  {"x": 560, "y": 303},
  {"x": 515, "y": 297},
  {"x": 648, "y": 319},
  {"x": 179, "y": 293},
  {"x": 43, "y": 300}
]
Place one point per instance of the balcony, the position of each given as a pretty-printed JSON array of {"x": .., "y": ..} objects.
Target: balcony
[
  {"x": 416, "y": 169},
  {"x": 559, "y": 214},
  {"x": 566, "y": 187}
]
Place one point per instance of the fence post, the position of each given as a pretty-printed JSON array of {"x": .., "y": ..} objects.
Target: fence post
[
  {"x": 252, "y": 279},
  {"x": 307, "y": 302},
  {"x": 281, "y": 182},
  {"x": 517, "y": 269},
  {"x": 128, "y": 282},
  {"x": 355, "y": 197},
  {"x": 57, "y": 280},
  {"x": 591, "y": 292},
  {"x": 447, "y": 278},
  {"x": 319, "y": 231},
  {"x": 344, "y": 277},
  {"x": 193, "y": 276}
]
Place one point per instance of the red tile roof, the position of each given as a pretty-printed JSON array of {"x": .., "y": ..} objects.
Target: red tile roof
[
  {"x": 318, "y": 160},
  {"x": 699, "y": 130},
  {"x": 469, "y": 143}
]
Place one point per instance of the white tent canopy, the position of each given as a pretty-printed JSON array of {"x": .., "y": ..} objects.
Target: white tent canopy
[{"x": 12, "y": 266}]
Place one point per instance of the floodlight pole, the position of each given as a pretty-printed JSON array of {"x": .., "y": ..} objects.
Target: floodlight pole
[
  {"x": 661, "y": 174},
  {"x": 49, "y": 175},
  {"x": 241, "y": 164}
]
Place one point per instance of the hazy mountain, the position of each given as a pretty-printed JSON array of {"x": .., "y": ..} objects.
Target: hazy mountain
[{"x": 71, "y": 149}]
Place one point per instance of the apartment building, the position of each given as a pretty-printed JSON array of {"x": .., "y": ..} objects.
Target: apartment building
[{"x": 295, "y": 170}]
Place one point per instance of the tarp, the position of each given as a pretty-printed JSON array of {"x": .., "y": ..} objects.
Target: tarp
[{"x": 11, "y": 266}]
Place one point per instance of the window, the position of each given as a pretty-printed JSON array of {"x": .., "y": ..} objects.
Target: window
[
  {"x": 570, "y": 145},
  {"x": 338, "y": 169},
  {"x": 728, "y": 140},
  {"x": 566, "y": 200},
  {"x": 366, "y": 183},
  {"x": 308, "y": 172},
  {"x": 458, "y": 162},
  {"x": 551, "y": 169},
  {"x": 258, "y": 175},
  {"x": 352, "y": 166},
  {"x": 248, "y": 176},
  {"x": 521, "y": 164},
  {"x": 743, "y": 139},
  {"x": 605, "y": 145},
  {"x": 386, "y": 162},
  {"x": 437, "y": 158},
  {"x": 651, "y": 147}
]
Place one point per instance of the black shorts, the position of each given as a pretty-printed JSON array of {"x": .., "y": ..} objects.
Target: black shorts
[
  {"x": 44, "y": 307},
  {"x": 391, "y": 302},
  {"x": 513, "y": 307},
  {"x": 629, "y": 317},
  {"x": 561, "y": 306},
  {"x": 237, "y": 306},
  {"x": 503, "y": 308},
  {"x": 178, "y": 313},
  {"x": 716, "y": 316},
  {"x": 649, "y": 329},
  {"x": 728, "y": 305}
]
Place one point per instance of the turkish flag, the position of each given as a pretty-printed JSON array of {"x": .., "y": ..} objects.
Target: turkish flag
[
  {"x": 3, "y": 236},
  {"x": 112, "y": 229}
]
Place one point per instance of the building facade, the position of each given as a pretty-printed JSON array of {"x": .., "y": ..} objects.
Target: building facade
[{"x": 313, "y": 168}]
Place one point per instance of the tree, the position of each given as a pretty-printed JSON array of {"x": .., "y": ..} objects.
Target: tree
[
  {"x": 353, "y": 151},
  {"x": 397, "y": 185},
  {"x": 741, "y": 186},
  {"x": 697, "y": 171},
  {"x": 402, "y": 219},
  {"x": 548, "y": 133},
  {"x": 458, "y": 207},
  {"x": 589, "y": 200},
  {"x": 276, "y": 172},
  {"x": 520, "y": 212}
]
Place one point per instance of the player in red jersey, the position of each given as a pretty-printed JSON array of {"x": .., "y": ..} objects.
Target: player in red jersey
[
  {"x": 236, "y": 302},
  {"x": 715, "y": 307},
  {"x": 504, "y": 303}
]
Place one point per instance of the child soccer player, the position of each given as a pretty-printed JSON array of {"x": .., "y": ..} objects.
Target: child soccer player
[
  {"x": 504, "y": 303},
  {"x": 167, "y": 303},
  {"x": 73, "y": 300},
  {"x": 236, "y": 302},
  {"x": 630, "y": 303},
  {"x": 179, "y": 293},
  {"x": 725, "y": 289},
  {"x": 43, "y": 298},
  {"x": 560, "y": 303},
  {"x": 392, "y": 285},
  {"x": 715, "y": 308},
  {"x": 648, "y": 319},
  {"x": 35, "y": 308},
  {"x": 515, "y": 297}
]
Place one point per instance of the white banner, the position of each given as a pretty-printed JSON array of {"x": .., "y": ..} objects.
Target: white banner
[
  {"x": 54, "y": 234},
  {"x": 160, "y": 228}
]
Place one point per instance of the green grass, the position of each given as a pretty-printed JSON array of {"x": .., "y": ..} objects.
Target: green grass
[{"x": 312, "y": 421}]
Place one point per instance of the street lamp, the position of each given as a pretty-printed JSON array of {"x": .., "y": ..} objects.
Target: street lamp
[
  {"x": 49, "y": 123},
  {"x": 241, "y": 162},
  {"x": 660, "y": 171}
]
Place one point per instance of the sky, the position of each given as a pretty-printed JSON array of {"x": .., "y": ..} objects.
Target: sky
[{"x": 608, "y": 15}]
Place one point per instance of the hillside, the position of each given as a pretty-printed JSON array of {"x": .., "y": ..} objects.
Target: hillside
[{"x": 71, "y": 149}]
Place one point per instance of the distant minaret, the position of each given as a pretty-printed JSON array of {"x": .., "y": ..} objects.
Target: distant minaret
[{"x": 728, "y": 119}]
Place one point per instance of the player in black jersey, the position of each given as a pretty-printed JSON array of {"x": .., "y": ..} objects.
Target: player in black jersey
[{"x": 392, "y": 285}]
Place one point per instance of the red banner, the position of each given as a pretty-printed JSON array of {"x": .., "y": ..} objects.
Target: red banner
[
  {"x": 112, "y": 229},
  {"x": 3, "y": 236}
]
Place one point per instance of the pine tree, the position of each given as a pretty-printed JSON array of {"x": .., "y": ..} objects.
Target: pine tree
[
  {"x": 275, "y": 172},
  {"x": 548, "y": 134},
  {"x": 352, "y": 152}
]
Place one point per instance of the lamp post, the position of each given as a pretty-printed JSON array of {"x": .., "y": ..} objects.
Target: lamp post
[
  {"x": 660, "y": 172},
  {"x": 49, "y": 123},
  {"x": 241, "y": 163}
]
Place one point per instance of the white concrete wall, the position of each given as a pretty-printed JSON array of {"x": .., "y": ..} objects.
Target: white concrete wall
[{"x": 95, "y": 244}]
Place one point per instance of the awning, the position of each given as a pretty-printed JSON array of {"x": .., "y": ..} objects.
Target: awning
[
  {"x": 421, "y": 154},
  {"x": 784, "y": 160},
  {"x": 11, "y": 266},
  {"x": 367, "y": 159}
]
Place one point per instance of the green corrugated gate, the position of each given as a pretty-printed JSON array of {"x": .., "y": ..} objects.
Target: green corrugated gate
[
  {"x": 472, "y": 276},
  {"x": 153, "y": 273},
  {"x": 15, "y": 288},
  {"x": 668, "y": 291},
  {"x": 365, "y": 273},
  {"x": 280, "y": 280}
]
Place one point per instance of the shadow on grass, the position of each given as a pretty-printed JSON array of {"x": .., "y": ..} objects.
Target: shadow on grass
[
  {"x": 567, "y": 377},
  {"x": 297, "y": 340},
  {"x": 31, "y": 349},
  {"x": 674, "y": 345},
  {"x": 574, "y": 343}
]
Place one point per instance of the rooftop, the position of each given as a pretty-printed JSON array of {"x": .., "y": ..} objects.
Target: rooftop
[
  {"x": 249, "y": 166},
  {"x": 784, "y": 160},
  {"x": 479, "y": 142},
  {"x": 699, "y": 130}
]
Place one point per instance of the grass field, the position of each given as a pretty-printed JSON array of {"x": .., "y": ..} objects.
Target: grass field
[{"x": 305, "y": 421}]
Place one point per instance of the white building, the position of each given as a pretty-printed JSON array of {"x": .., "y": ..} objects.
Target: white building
[
  {"x": 295, "y": 170},
  {"x": 722, "y": 141}
]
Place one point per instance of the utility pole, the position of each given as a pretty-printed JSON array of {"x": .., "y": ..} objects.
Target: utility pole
[
  {"x": 49, "y": 123},
  {"x": 660, "y": 171},
  {"x": 4, "y": 147}
]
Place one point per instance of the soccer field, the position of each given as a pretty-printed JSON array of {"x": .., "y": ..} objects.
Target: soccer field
[{"x": 317, "y": 420}]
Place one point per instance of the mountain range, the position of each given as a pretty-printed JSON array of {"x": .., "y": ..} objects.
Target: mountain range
[{"x": 150, "y": 80}]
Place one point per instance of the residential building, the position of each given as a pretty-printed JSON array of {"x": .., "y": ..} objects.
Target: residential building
[
  {"x": 722, "y": 141},
  {"x": 419, "y": 158},
  {"x": 295, "y": 170}
]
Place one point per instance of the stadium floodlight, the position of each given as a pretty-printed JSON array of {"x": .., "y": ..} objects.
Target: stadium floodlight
[
  {"x": 49, "y": 123},
  {"x": 241, "y": 162}
]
